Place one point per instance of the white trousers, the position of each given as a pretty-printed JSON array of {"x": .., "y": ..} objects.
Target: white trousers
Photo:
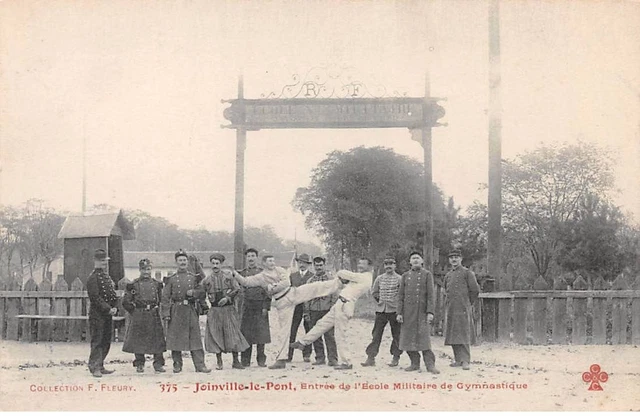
[
  {"x": 338, "y": 318},
  {"x": 287, "y": 304}
]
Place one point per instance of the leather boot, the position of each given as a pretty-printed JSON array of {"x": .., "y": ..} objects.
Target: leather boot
[
  {"x": 236, "y": 363},
  {"x": 370, "y": 362},
  {"x": 395, "y": 361},
  {"x": 432, "y": 368},
  {"x": 415, "y": 361},
  {"x": 413, "y": 367}
]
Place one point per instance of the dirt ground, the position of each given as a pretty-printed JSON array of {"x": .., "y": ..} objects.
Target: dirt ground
[{"x": 54, "y": 376}]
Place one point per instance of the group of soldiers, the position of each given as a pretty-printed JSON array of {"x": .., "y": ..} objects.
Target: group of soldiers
[{"x": 165, "y": 315}]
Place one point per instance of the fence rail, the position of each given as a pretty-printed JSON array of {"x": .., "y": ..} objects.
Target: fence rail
[
  {"x": 541, "y": 316},
  {"x": 69, "y": 303},
  {"x": 560, "y": 316}
]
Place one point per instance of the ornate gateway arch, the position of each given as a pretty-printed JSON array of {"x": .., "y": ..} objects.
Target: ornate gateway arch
[{"x": 326, "y": 98}]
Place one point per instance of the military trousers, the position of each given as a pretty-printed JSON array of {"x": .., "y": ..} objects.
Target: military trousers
[
  {"x": 158, "y": 361},
  {"x": 428, "y": 356},
  {"x": 295, "y": 325},
  {"x": 378, "y": 329},
  {"x": 338, "y": 318},
  {"x": 461, "y": 353},
  {"x": 197, "y": 357},
  {"x": 328, "y": 339},
  {"x": 261, "y": 357},
  {"x": 100, "y": 329}
]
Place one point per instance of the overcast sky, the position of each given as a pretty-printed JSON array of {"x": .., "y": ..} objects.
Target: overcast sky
[{"x": 142, "y": 81}]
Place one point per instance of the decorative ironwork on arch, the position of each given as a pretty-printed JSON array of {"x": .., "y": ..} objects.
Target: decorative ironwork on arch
[{"x": 331, "y": 82}]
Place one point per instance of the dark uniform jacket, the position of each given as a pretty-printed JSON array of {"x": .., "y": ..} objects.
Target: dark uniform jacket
[
  {"x": 218, "y": 287},
  {"x": 255, "y": 297},
  {"x": 255, "y": 326},
  {"x": 142, "y": 301},
  {"x": 461, "y": 290},
  {"x": 102, "y": 293},
  {"x": 183, "y": 328},
  {"x": 415, "y": 299}
]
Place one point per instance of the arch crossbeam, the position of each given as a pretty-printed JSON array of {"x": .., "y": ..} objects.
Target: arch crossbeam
[{"x": 309, "y": 109}]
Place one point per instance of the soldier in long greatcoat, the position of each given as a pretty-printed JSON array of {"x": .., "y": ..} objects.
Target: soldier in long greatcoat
[
  {"x": 178, "y": 308},
  {"x": 144, "y": 334},
  {"x": 416, "y": 304},
  {"x": 461, "y": 290}
]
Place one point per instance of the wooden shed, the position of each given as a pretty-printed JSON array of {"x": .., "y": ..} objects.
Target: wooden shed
[{"x": 84, "y": 234}]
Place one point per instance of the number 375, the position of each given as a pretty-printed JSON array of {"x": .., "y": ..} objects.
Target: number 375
[{"x": 168, "y": 388}]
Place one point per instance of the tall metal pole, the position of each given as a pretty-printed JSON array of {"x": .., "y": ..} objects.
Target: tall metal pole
[
  {"x": 241, "y": 143},
  {"x": 495, "y": 144},
  {"x": 428, "y": 184}
]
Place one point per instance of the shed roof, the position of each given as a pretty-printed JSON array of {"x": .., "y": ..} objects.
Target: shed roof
[{"x": 102, "y": 225}]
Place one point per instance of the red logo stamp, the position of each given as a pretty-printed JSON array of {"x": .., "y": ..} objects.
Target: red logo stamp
[{"x": 595, "y": 376}]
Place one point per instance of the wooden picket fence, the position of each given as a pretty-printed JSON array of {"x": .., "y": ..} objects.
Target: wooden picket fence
[
  {"x": 598, "y": 316},
  {"x": 44, "y": 299}
]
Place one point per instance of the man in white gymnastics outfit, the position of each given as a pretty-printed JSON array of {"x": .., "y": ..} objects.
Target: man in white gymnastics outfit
[
  {"x": 276, "y": 282},
  {"x": 342, "y": 311}
]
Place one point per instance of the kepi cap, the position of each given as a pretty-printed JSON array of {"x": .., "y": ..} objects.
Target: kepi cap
[
  {"x": 415, "y": 252},
  {"x": 455, "y": 252},
  {"x": 181, "y": 253},
  {"x": 144, "y": 263},
  {"x": 217, "y": 256}
]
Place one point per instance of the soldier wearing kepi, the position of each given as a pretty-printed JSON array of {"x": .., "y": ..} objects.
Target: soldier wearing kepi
[
  {"x": 416, "y": 303},
  {"x": 223, "y": 328},
  {"x": 144, "y": 334},
  {"x": 385, "y": 293},
  {"x": 461, "y": 291},
  {"x": 254, "y": 323},
  {"x": 103, "y": 299},
  {"x": 178, "y": 308}
]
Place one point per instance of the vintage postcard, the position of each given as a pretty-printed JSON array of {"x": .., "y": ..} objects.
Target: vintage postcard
[{"x": 325, "y": 205}]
